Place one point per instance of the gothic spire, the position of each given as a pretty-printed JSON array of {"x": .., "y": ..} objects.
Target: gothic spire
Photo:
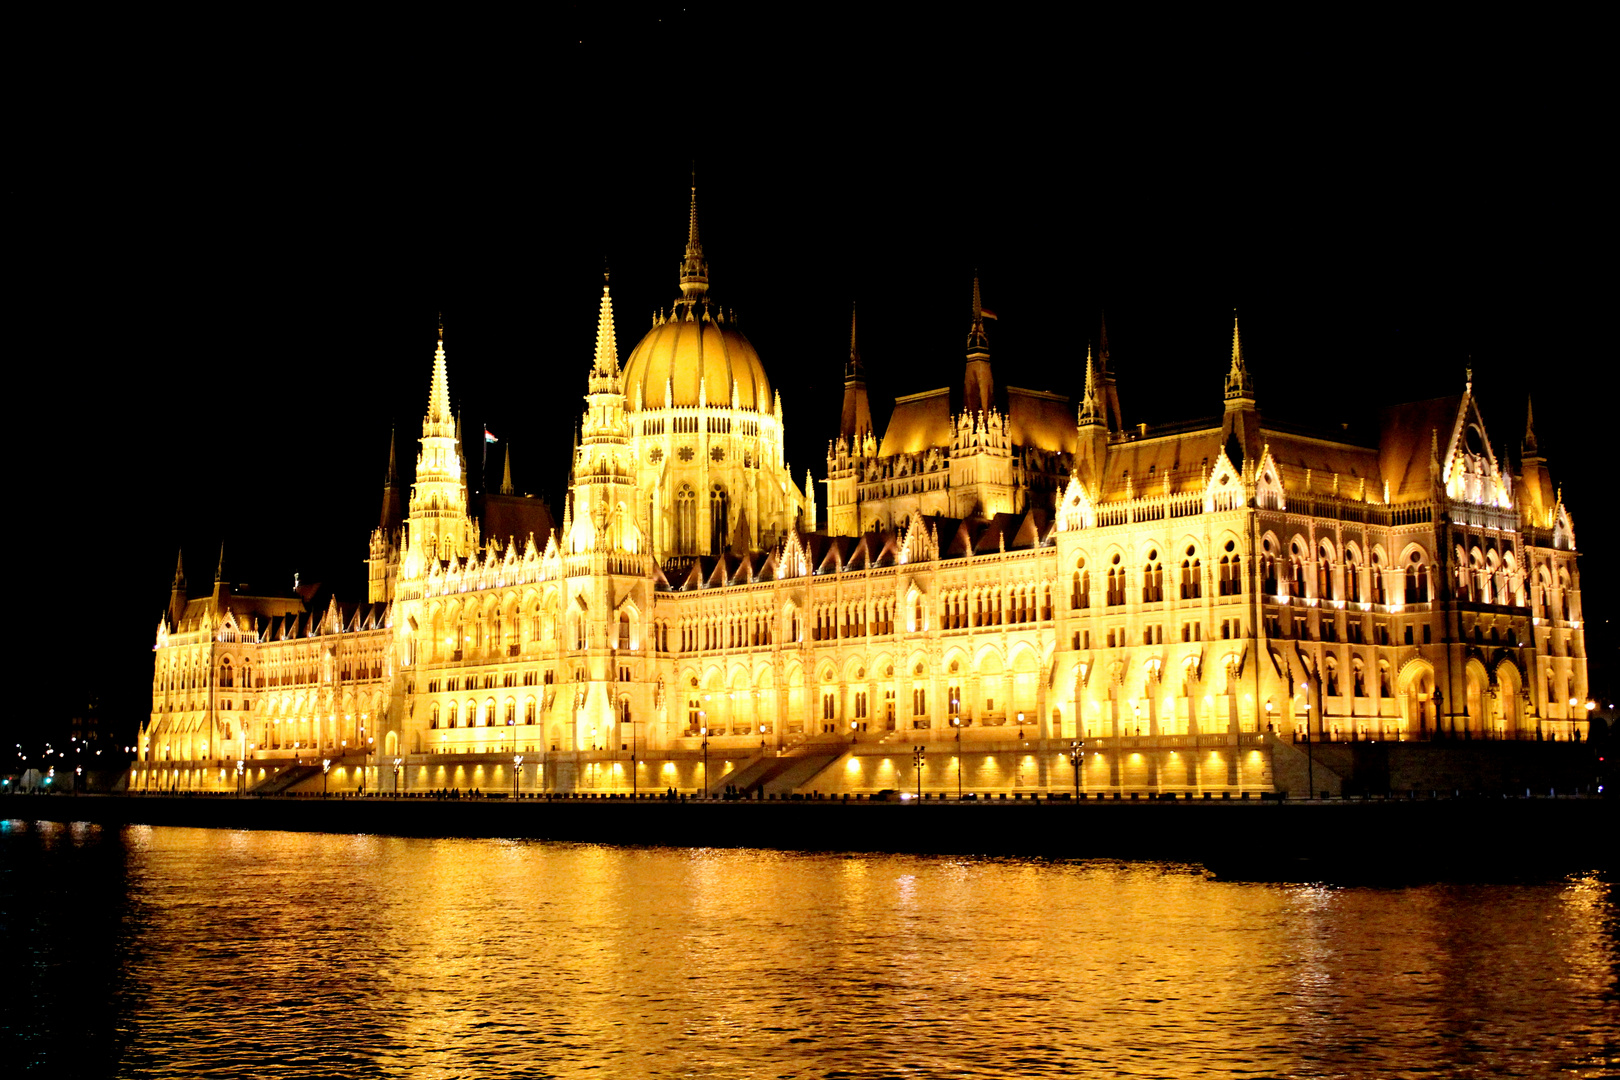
[
  {"x": 1102, "y": 344},
  {"x": 978, "y": 343},
  {"x": 393, "y": 470},
  {"x": 1089, "y": 407},
  {"x": 1528, "y": 449},
  {"x": 180, "y": 569},
  {"x": 607, "y": 349},
  {"x": 439, "y": 391},
  {"x": 694, "y": 268},
  {"x": 219, "y": 572},
  {"x": 855, "y": 369},
  {"x": 506, "y": 477},
  {"x": 1237, "y": 375}
]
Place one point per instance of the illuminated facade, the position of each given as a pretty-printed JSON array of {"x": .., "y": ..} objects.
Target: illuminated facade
[{"x": 1003, "y": 573}]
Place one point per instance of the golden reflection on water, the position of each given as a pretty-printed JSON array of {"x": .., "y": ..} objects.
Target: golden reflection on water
[{"x": 364, "y": 956}]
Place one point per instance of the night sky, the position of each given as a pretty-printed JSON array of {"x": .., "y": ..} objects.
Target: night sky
[{"x": 233, "y": 294}]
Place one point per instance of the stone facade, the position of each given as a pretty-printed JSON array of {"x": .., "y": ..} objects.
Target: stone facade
[{"x": 1003, "y": 575}]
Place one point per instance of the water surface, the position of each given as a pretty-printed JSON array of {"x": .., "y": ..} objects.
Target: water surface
[{"x": 165, "y": 952}]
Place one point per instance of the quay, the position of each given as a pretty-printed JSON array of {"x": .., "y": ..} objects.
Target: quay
[{"x": 1428, "y": 832}]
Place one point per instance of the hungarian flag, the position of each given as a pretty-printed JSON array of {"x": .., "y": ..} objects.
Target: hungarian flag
[
  {"x": 489, "y": 436},
  {"x": 987, "y": 313}
]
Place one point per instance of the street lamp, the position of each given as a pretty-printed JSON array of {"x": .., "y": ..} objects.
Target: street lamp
[
  {"x": 397, "y": 763},
  {"x": 241, "y": 777},
  {"x": 517, "y": 766},
  {"x": 1076, "y": 755},
  {"x": 326, "y": 767},
  {"x": 917, "y": 758},
  {"x": 956, "y": 722},
  {"x": 705, "y": 733}
]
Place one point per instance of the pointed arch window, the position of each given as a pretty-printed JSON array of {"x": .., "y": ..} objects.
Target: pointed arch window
[
  {"x": 1116, "y": 583},
  {"x": 1192, "y": 578},
  {"x": 719, "y": 514},
  {"x": 1324, "y": 573},
  {"x": 686, "y": 520},
  {"x": 1152, "y": 578},
  {"x": 1081, "y": 596}
]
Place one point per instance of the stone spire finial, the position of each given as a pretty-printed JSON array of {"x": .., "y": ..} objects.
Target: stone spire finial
[
  {"x": 439, "y": 390},
  {"x": 1102, "y": 342},
  {"x": 506, "y": 476},
  {"x": 607, "y": 348},
  {"x": 219, "y": 571},
  {"x": 1088, "y": 404},
  {"x": 694, "y": 268},
  {"x": 978, "y": 341},
  {"x": 1528, "y": 448},
  {"x": 180, "y": 569},
  {"x": 1237, "y": 375},
  {"x": 393, "y": 469}
]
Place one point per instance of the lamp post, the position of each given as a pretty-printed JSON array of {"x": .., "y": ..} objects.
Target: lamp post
[
  {"x": 956, "y": 722},
  {"x": 1310, "y": 758},
  {"x": 326, "y": 767},
  {"x": 397, "y": 763},
  {"x": 1076, "y": 754},
  {"x": 517, "y": 766},
  {"x": 917, "y": 758},
  {"x": 241, "y": 778},
  {"x": 704, "y": 731}
]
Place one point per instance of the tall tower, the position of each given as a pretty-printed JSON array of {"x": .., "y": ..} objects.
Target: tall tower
[
  {"x": 981, "y": 439},
  {"x": 609, "y": 567},
  {"x": 1240, "y": 425},
  {"x": 1091, "y": 449},
  {"x": 855, "y": 443},
  {"x": 439, "y": 526},
  {"x": 978, "y": 390},
  {"x": 382, "y": 558}
]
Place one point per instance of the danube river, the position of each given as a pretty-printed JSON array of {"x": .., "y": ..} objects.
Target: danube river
[{"x": 197, "y": 953}]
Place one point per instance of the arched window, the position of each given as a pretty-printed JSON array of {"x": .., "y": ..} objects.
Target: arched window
[
  {"x": 1358, "y": 672},
  {"x": 1152, "y": 578},
  {"x": 1331, "y": 677},
  {"x": 1268, "y": 569},
  {"x": 1081, "y": 595},
  {"x": 1192, "y": 579},
  {"x": 450, "y": 715},
  {"x": 1324, "y": 573},
  {"x": 1352, "y": 577},
  {"x": 686, "y": 520},
  {"x": 528, "y": 710},
  {"x": 1296, "y": 571},
  {"x": 433, "y": 717},
  {"x": 487, "y": 717},
  {"x": 719, "y": 507},
  {"x": 1417, "y": 580},
  {"x": 510, "y": 717},
  {"x": 1231, "y": 578},
  {"x": 225, "y": 672},
  {"x": 1376, "y": 570}
]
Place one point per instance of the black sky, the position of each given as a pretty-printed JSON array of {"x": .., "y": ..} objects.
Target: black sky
[{"x": 231, "y": 276}]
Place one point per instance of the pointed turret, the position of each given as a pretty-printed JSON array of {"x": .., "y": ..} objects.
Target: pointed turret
[
  {"x": 1238, "y": 384},
  {"x": 1107, "y": 389},
  {"x": 607, "y": 348},
  {"x": 1535, "y": 493},
  {"x": 1092, "y": 446},
  {"x": 1240, "y": 427},
  {"x": 1528, "y": 450},
  {"x": 694, "y": 268},
  {"x": 439, "y": 391},
  {"x": 978, "y": 393},
  {"x": 855, "y": 420},
  {"x": 219, "y": 571},
  {"x": 177, "y": 591},
  {"x": 506, "y": 474},
  {"x": 393, "y": 509}
]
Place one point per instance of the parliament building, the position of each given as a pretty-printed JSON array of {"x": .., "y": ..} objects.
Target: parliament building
[{"x": 1006, "y": 592}]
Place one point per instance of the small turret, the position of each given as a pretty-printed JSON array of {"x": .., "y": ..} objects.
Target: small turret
[
  {"x": 177, "y": 591},
  {"x": 978, "y": 391},
  {"x": 1240, "y": 426},
  {"x": 855, "y": 420}
]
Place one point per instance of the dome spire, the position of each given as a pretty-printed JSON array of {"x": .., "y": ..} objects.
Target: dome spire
[
  {"x": 1088, "y": 404},
  {"x": 694, "y": 268},
  {"x": 979, "y": 387}
]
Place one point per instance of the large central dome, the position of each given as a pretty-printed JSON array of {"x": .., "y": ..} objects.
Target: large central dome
[
  {"x": 686, "y": 357},
  {"x": 694, "y": 353}
]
